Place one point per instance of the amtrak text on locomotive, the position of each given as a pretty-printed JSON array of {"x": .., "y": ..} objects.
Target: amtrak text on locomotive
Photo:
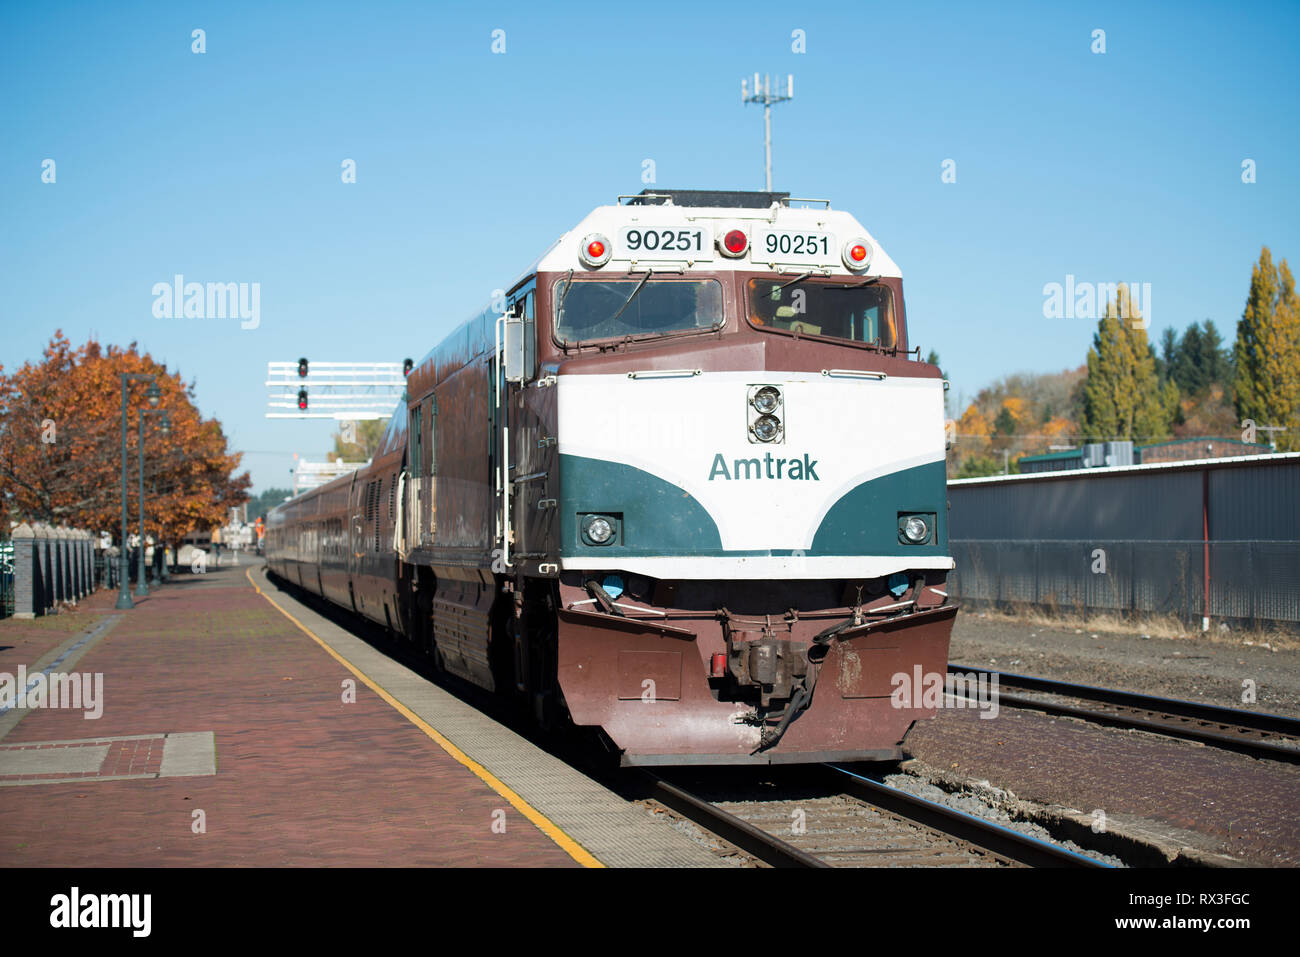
[{"x": 804, "y": 469}]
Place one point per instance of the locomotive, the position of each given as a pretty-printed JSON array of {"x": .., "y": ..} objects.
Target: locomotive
[{"x": 684, "y": 484}]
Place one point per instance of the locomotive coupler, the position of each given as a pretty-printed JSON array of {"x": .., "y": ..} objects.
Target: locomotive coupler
[{"x": 759, "y": 658}]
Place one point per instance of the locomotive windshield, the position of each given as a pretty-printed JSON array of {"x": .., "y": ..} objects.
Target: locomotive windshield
[
  {"x": 644, "y": 306},
  {"x": 858, "y": 311}
]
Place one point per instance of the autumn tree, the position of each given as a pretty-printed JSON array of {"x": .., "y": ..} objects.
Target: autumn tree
[
  {"x": 1267, "y": 352},
  {"x": 60, "y": 445},
  {"x": 1122, "y": 397}
]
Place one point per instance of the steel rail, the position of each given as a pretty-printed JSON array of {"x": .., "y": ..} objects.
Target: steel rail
[
  {"x": 995, "y": 838},
  {"x": 1004, "y": 842},
  {"x": 753, "y": 840},
  {"x": 1165, "y": 716}
]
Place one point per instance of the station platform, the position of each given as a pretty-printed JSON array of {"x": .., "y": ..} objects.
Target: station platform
[{"x": 223, "y": 723}]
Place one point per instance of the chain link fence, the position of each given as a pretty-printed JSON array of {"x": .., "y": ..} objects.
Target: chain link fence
[{"x": 1250, "y": 582}]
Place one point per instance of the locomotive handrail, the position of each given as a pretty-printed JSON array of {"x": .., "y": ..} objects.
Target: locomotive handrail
[
  {"x": 662, "y": 373},
  {"x": 855, "y": 374},
  {"x": 503, "y": 477}
]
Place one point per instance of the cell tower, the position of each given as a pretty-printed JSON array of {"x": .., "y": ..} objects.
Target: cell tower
[{"x": 763, "y": 94}]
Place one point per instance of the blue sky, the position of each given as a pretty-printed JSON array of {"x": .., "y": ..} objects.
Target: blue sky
[{"x": 225, "y": 166}]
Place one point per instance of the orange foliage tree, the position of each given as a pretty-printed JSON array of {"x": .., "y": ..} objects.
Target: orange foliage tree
[{"x": 60, "y": 445}]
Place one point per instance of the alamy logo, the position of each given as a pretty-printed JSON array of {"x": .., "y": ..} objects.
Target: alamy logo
[
  {"x": 977, "y": 690},
  {"x": 1087, "y": 300},
  {"x": 83, "y": 691},
  {"x": 102, "y": 910},
  {"x": 804, "y": 469},
  {"x": 179, "y": 299}
]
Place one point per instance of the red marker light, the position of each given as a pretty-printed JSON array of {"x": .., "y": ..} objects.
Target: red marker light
[
  {"x": 857, "y": 253},
  {"x": 594, "y": 251},
  {"x": 735, "y": 242}
]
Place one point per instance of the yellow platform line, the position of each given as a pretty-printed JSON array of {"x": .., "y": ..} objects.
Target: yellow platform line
[{"x": 543, "y": 823}]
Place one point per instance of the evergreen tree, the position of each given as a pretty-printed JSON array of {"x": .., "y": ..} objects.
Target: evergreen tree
[
  {"x": 1187, "y": 370},
  {"x": 1216, "y": 363},
  {"x": 1168, "y": 353},
  {"x": 1005, "y": 422},
  {"x": 1122, "y": 398},
  {"x": 1267, "y": 352}
]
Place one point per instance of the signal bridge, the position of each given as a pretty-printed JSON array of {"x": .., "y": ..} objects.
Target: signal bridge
[{"x": 334, "y": 390}]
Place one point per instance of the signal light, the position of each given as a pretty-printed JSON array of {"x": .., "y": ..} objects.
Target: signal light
[
  {"x": 594, "y": 251},
  {"x": 735, "y": 243},
  {"x": 302, "y": 400},
  {"x": 302, "y": 368},
  {"x": 857, "y": 253},
  {"x": 407, "y": 366}
]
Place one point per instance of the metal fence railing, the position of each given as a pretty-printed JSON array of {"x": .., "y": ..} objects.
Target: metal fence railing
[
  {"x": 6, "y": 578},
  {"x": 1255, "y": 582}
]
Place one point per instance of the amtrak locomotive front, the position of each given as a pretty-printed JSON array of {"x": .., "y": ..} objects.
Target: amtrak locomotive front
[{"x": 689, "y": 489}]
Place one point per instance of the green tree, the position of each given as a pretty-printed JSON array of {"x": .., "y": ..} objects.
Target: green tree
[
  {"x": 368, "y": 434},
  {"x": 1122, "y": 396},
  {"x": 1267, "y": 352},
  {"x": 262, "y": 503},
  {"x": 977, "y": 466},
  {"x": 1188, "y": 365},
  {"x": 1168, "y": 353},
  {"x": 1215, "y": 359}
]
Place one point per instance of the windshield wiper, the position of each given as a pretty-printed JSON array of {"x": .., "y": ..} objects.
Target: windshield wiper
[
  {"x": 793, "y": 281},
  {"x": 628, "y": 301},
  {"x": 568, "y": 284}
]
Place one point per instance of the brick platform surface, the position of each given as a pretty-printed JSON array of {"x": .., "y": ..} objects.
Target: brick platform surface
[{"x": 302, "y": 778}]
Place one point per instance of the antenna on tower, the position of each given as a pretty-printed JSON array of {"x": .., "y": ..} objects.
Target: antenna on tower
[{"x": 762, "y": 93}]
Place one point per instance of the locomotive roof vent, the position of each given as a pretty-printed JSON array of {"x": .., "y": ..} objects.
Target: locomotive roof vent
[{"x": 724, "y": 198}]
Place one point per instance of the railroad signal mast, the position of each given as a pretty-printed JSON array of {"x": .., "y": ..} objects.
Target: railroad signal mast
[{"x": 762, "y": 93}]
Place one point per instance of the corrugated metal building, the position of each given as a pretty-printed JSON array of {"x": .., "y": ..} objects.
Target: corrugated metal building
[{"x": 1136, "y": 538}]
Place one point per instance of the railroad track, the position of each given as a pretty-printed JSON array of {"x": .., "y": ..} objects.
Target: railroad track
[
  {"x": 1259, "y": 734},
  {"x": 843, "y": 819}
]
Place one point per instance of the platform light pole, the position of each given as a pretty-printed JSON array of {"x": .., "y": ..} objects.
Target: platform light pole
[
  {"x": 141, "y": 588},
  {"x": 763, "y": 94},
  {"x": 124, "y": 601}
]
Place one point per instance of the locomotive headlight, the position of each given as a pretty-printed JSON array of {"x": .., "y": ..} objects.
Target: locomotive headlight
[
  {"x": 766, "y": 400},
  {"x": 595, "y": 250},
  {"x": 766, "y": 428},
  {"x": 915, "y": 529},
  {"x": 598, "y": 529}
]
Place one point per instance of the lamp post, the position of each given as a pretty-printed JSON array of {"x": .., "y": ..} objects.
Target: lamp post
[
  {"x": 124, "y": 601},
  {"x": 141, "y": 588}
]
